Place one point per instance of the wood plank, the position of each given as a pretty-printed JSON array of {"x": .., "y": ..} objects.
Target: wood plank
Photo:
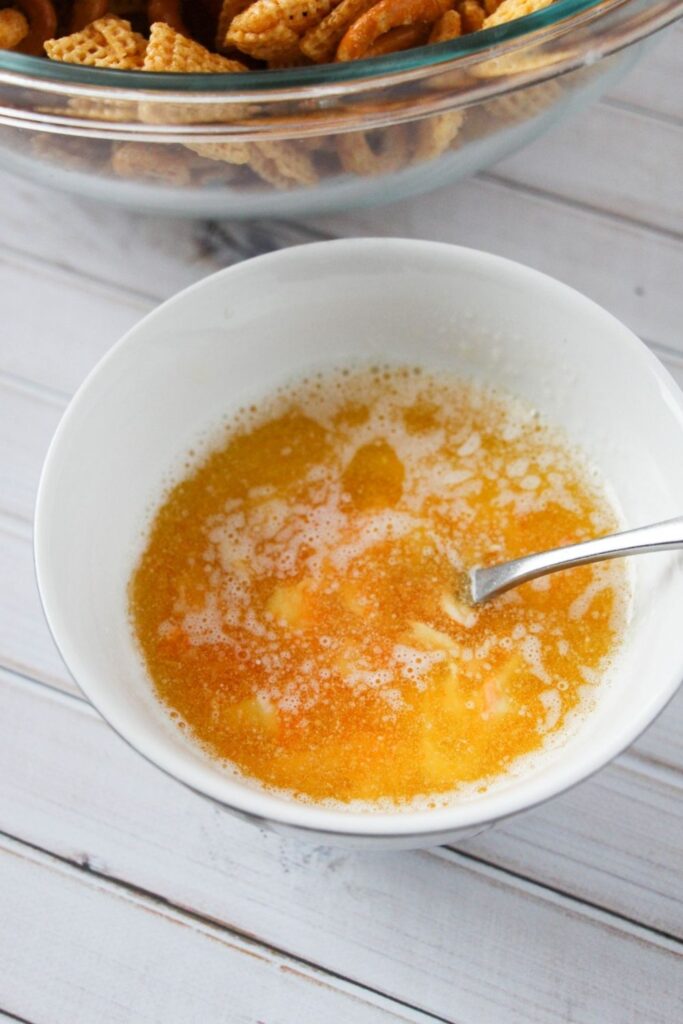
[
  {"x": 603, "y": 843},
  {"x": 656, "y": 83},
  {"x": 26, "y": 645},
  {"x": 614, "y": 841},
  {"x": 455, "y": 937},
  {"x": 661, "y": 744},
  {"x": 578, "y": 160},
  {"x": 632, "y": 272},
  {"x": 575, "y": 244},
  {"x": 150, "y": 256},
  {"x": 522, "y": 226},
  {"x": 76, "y": 948},
  {"x": 28, "y": 419},
  {"x": 57, "y": 324}
]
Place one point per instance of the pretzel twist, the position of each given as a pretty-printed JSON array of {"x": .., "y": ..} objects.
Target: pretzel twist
[
  {"x": 42, "y": 21},
  {"x": 84, "y": 12},
  {"x": 382, "y": 18},
  {"x": 360, "y": 153},
  {"x": 168, "y": 11},
  {"x": 402, "y": 38}
]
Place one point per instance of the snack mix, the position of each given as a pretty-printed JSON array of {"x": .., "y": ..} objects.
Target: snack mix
[{"x": 228, "y": 36}]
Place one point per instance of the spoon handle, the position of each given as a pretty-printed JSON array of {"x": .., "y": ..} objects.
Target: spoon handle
[{"x": 487, "y": 582}]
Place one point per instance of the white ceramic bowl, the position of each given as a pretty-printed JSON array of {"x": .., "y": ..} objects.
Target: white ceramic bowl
[{"x": 242, "y": 332}]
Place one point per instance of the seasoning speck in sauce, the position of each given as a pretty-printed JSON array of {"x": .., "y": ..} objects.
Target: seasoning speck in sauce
[{"x": 297, "y": 603}]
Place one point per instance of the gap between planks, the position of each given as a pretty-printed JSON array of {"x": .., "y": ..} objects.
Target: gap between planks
[
  {"x": 574, "y": 244},
  {"x": 587, "y": 907},
  {"x": 537, "y": 191},
  {"x": 500, "y": 870},
  {"x": 5, "y": 1015},
  {"x": 62, "y": 272},
  {"x": 627, "y": 106},
  {"x": 233, "y": 242},
  {"x": 412, "y": 938},
  {"x": 349, "y": 996},
  {"x": 654, "y": 85}
]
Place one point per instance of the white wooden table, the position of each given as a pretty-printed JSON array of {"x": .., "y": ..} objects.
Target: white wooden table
[{"x": 125, "y": 897}]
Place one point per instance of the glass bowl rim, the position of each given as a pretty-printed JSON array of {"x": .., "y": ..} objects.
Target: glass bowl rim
[{"x": 492, "y": 41}]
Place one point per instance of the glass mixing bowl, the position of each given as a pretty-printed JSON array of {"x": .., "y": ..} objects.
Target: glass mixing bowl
[{"x": 321, "y": 138}]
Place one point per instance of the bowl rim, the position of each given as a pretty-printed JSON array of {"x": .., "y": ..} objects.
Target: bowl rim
[
  {"x": 261, "y": 805},
  {"x": 532, "y": 29}
]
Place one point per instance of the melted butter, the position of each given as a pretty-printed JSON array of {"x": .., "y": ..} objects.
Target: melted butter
[{"x": 297, "y": 606}]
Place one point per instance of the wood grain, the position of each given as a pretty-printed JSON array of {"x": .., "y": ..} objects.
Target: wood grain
[
  {"x": 568, "y": 913},
  {"x": 25, "y": 642},
  {"x": 645, "y": 149},
  {"x": 28, "y": 419},
  {"x": 56, "y": 333},
  {"x": 121, "y": 956},
  {"x": 631, "y": 271},
  {"x": 656, "y": 84},
  {"x": 400, "y": 923}
]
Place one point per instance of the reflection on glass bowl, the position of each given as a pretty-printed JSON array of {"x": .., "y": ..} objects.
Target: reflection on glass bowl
[{"x": 321, "y": 138}]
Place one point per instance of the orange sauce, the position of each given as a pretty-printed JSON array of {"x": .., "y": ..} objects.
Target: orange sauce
[{"x": 297, "y": 603}]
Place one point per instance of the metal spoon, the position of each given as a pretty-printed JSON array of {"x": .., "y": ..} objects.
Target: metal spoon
[{"x": 486, "y": 583}]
